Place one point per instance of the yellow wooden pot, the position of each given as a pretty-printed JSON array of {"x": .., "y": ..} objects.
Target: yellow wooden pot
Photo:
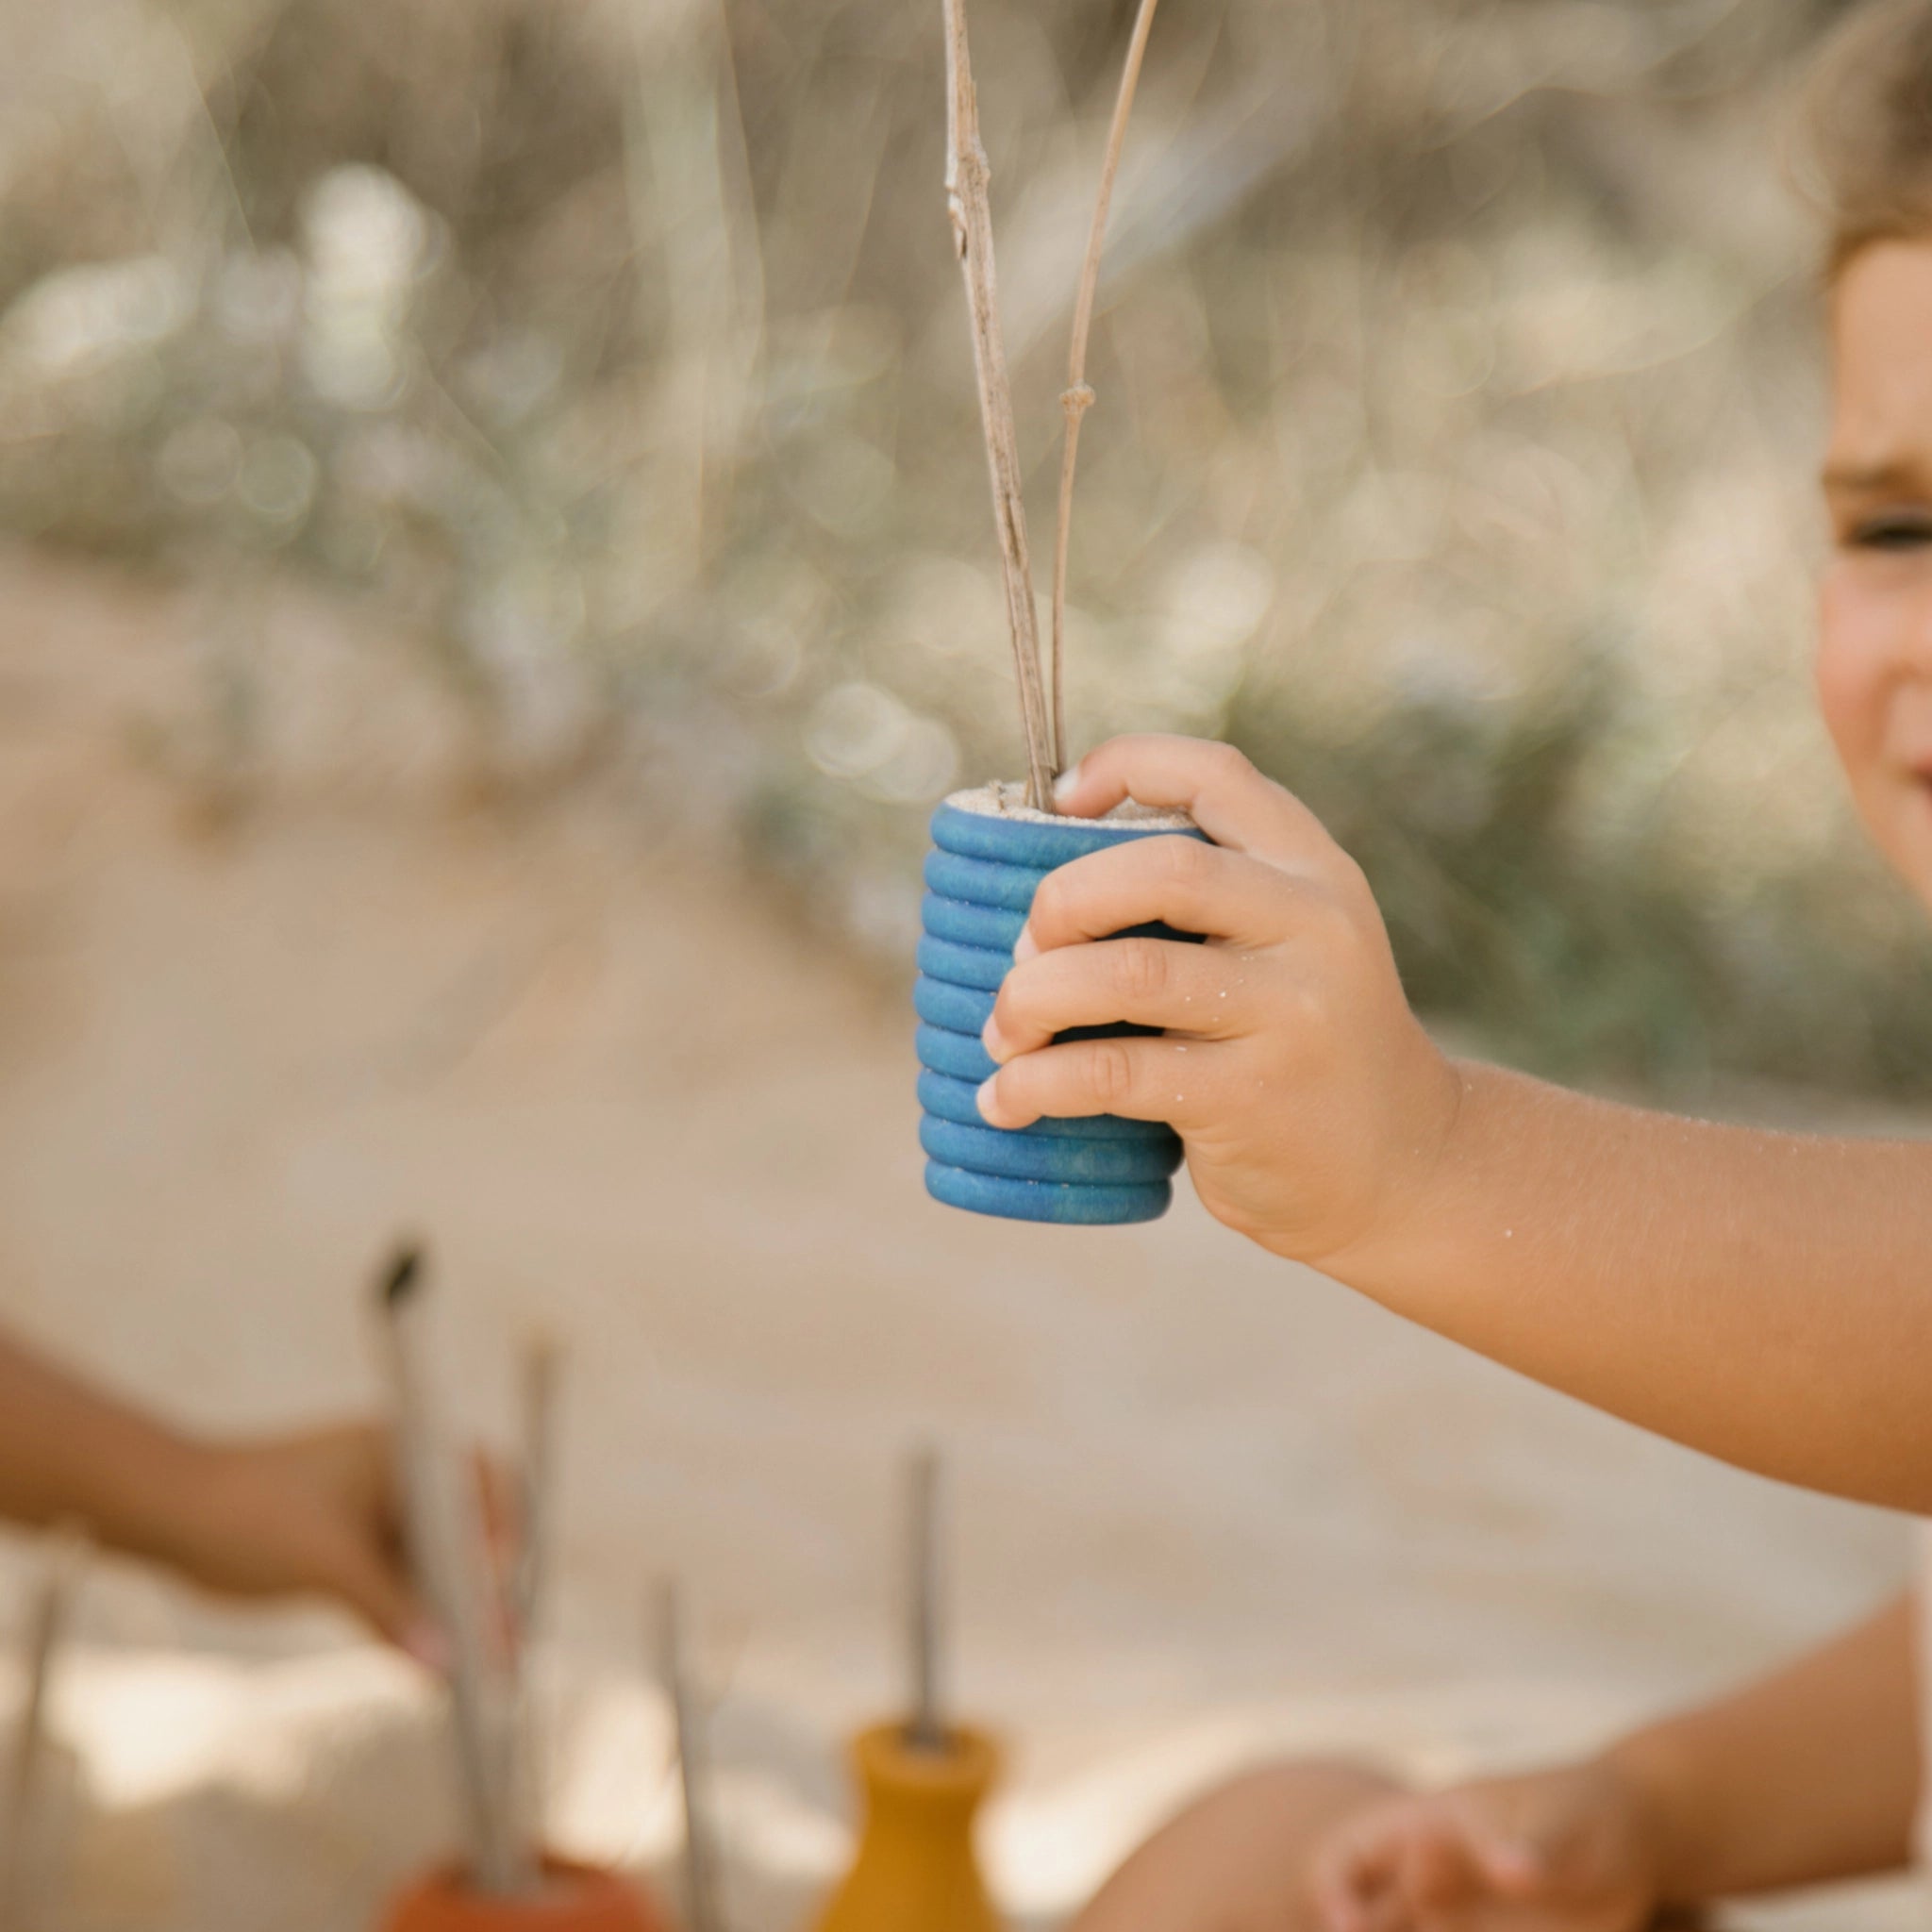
[{"x": 915, "y": 1870}]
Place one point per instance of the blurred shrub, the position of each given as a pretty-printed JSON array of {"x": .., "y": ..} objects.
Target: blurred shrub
[{"x": 1457, "y": 404}]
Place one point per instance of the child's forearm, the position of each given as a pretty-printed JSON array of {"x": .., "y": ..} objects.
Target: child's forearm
[
  {"x": 1766, "y": 1298},
  {"x": 68, "y": 1451},
  {"x": 1808, "y": 1776}
]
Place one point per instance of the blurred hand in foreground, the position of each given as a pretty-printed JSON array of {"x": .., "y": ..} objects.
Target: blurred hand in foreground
[
  {"x": 1574, "y": 1849},
  {"x": 321, "y": 1512},
  {"x": 313, "y": 1512}
]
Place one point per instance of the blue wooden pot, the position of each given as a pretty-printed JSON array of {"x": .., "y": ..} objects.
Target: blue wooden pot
[{"x": 988, "y": 856}]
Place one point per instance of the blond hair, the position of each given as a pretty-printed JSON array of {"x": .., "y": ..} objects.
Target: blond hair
[{"x": 1869, "y": 128}]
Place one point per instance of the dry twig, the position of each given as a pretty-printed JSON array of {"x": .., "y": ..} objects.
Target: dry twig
[
  {"x": 1077, "y": 397},
  {"x": 536, "y": 1479},
  {"x": 523, "y": 1767},
  {"x": 448, "y": 1554},
  {"x": 926, "y": 1729},
  {"x": 703, "y": 1910},
  {"x": 23, "y": 1878},
  {"x": 968, "y": 182}
]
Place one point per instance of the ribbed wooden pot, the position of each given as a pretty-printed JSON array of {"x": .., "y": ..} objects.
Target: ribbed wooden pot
[
  {"x": 915, "y": 1868},
  {"x": 987, "y": 861}
]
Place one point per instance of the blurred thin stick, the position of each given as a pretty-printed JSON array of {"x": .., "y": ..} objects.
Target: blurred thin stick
[
  {"x": 701, "y": 1872},
  {"x": 968, "y": 181},
  {"x": 925, "y": 1728},
  {"x": 52, "y": 1608},
  {"x": 524, "y": 1768},
  {"x": 695, "y": 233},
  {"x": 449, "y": 1555},
  {"x": 1077, "y": 397},
  {"x": 537, "y": 1478}
]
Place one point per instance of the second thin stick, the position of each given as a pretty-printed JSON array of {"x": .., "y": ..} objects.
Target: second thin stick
[{"x": 926, "y": 1728}]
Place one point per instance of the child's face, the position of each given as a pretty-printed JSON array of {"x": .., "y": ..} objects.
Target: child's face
[{"x": 1874, "y": 649}]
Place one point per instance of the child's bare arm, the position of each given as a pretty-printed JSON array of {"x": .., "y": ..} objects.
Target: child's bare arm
[
  {"x": 1806, "y": 1776},
  {"x": 314, "y": 1512},
  {"x": 1765, "y": 1298},
  {"x": 67, "y": 1450}
]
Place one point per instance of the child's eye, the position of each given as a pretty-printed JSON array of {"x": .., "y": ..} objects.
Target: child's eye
[{"x": 1891, "y": 532}]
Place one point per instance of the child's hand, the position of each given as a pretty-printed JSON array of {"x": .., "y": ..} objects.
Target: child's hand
[
  {"x": 1312, "y": 1103},
  {"x": 1571, "y": 1849},
  {"x": 316, "y": 1512}
]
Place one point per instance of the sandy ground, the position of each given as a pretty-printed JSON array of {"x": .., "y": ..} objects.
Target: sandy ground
[{"x": 1208, "y": 1505}]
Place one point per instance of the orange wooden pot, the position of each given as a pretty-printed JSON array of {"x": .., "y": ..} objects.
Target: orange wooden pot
[{"x": 574, "y": 1898}]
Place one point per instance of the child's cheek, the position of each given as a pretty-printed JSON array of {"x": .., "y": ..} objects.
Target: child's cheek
[{"x": 1850, "y": 675}]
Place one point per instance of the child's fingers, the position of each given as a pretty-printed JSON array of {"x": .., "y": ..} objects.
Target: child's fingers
[
  {"x": 1385, "y": 1912},
  {"x": 1352, "y": 1883},
  {"x": 1517, "y": 1867},
  {"x": 1436, "y": 1867},
  {"x": 1142, "y": 1079},
  {"x": 341, "y": 1558},
  {"x": 385, "y": 1600},
  {"x": 1224, "y": 793},
  {"x": 1373, "y": 1911},
  {"x": 1206, "y": 990},
  {"x": 1521, "y": 1833},
  {"x": 1193, "y": 887}
]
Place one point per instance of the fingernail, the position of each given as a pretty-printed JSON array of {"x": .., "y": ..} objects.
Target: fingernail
[
  {"x": 426, "y": 1642},
  {"x": 993, "y": 1040},
  {"x": 1066, "y": 784},
  {"x": 988, "y": 1101},
  {"x": 1026, "y": 947}
]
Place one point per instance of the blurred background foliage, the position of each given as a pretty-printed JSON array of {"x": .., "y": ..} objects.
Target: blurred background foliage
[{"x": 1459, "y": 403}]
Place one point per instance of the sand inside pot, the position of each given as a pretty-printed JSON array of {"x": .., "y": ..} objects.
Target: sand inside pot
[
  {"x": 1006, "y": 798},
  {"x": 560, "y": 1886}
]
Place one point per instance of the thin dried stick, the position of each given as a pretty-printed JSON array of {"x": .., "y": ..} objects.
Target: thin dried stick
[
  {"x": 19, "y": 1871},
  {"x": 1077, "y": 397},
  {"x": 448, "y": 1554},
  {"x": 523, "y": 1768},
  {"x": 926, "y": 1729},
  {"x": 700, "y": 1845},
  {"x": 968, "y": 182},
  {"x": 536, "y": 1477}
]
